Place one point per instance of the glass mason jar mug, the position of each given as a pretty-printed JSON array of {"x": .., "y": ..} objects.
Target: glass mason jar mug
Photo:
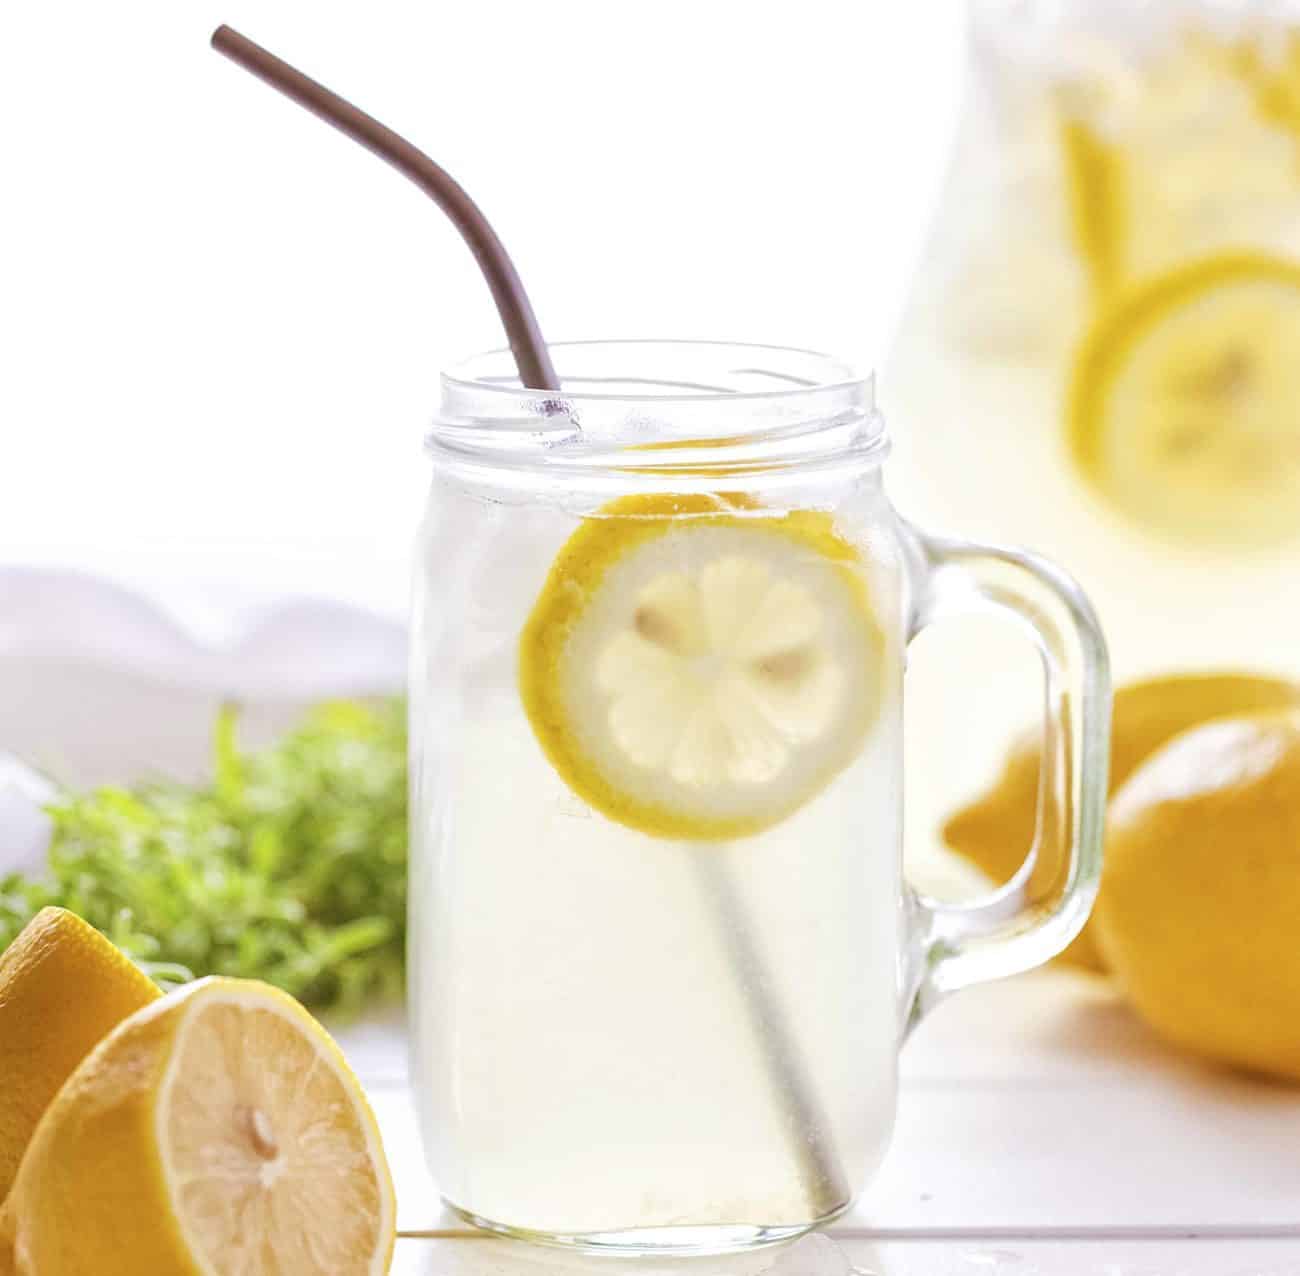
[{"x": 662, "y": 953}]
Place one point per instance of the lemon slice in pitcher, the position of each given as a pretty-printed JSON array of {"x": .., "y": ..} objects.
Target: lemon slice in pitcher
[
  {"x": 696, "y": 669},
  {"x": 1185, "y": 404}
]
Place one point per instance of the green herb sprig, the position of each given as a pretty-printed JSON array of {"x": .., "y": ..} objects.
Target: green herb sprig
[{"x": 289, "y": 866}]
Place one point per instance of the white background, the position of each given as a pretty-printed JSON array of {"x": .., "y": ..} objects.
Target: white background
[{"x": 221, "y": 323}]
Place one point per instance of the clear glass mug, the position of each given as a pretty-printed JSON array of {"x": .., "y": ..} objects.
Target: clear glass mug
[{"x": 662, "y": 953}]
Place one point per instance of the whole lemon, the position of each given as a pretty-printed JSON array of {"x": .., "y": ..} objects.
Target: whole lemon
[
  {"x": 63, "y": 987},
  {"x": 995, "y": 831},
  {"x": 1200, "y": 916}
]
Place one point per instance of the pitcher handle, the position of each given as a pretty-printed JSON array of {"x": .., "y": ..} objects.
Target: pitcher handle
[{"x": 1008, "y": 931}]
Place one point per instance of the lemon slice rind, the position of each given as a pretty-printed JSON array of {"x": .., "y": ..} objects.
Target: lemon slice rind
[{"x": 698, "y": 669}]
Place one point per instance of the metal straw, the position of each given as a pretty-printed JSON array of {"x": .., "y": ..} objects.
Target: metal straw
[
  {"x": 806, "y": 1126},
  {"x": 512, "y": 302}
]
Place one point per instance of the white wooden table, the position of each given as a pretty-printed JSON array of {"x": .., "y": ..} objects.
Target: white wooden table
[{"x": 1042, "y": 1129}]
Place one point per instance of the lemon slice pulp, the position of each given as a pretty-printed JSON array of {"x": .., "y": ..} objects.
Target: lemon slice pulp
[
  {"x": 1185, "y": 403},
  {"x": 697, "y": 669}
]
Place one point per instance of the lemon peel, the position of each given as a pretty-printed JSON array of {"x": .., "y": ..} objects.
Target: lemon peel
[{"x": 697, "y": 668}]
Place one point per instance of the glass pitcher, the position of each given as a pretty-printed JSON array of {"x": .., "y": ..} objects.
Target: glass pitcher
[
  {"x": 662, "y": 952},
  {"x": 1110, "y": 287}
]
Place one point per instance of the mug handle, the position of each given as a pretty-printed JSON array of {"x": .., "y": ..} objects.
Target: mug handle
[{"x": 1009, "y": 931}]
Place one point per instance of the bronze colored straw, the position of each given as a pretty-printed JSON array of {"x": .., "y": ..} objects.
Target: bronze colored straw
[
  {"x": 512, "y": 302},
  {"x": 807, "y": 1128}
]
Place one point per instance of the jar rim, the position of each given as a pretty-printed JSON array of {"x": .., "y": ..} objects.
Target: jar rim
[
  {"x": 501, "y": 383},
  {"x": 692, "y": 408}
]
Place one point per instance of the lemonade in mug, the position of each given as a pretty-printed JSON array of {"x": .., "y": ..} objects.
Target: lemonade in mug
[{"x": 662, "y": 952}]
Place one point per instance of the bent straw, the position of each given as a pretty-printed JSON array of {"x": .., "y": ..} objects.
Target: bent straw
[
  {"x": 512, "y": 302},
  {"x": 806, "y": 1126}
]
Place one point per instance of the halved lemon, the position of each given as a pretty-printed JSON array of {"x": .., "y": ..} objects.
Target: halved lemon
[
  {"x": 217, "y": 1130},
  {"x": 697, "y": 668},
  {"x": 1184, "y": 410}
]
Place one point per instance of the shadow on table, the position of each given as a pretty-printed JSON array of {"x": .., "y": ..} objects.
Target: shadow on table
[
  {"x": 811, "y": 1256},
  {"x": 1113, "y": 1031}
]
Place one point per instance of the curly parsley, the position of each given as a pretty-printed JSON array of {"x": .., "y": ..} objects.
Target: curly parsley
[{"x": 289, "y": 866}]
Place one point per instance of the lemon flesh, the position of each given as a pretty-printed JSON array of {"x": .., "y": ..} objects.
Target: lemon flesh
[
  {"x": 698, "y": 669},
  {"x": 1185, "y": 403},
  {"x": 63, "y": 987},
  {"x": 217, "y": 1130}
]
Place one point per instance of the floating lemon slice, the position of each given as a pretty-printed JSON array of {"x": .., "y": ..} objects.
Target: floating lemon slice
[
  {"x": 218, "y": 1130},
  {"x": 696, "y": 669},
  {"x": 1185, "y": 404}
]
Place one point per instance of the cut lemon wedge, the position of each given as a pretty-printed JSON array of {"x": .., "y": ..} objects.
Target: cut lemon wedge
[
  {"x": 697, "y": 669},
  {"x": 1185, "y": 404},
  {"x": 217, "y": 1130}
]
